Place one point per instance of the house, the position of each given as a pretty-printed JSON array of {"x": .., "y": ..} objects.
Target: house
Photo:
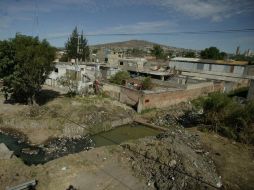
[{"x": 85, "y": 74}]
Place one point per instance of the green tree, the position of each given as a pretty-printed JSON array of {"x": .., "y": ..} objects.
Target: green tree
[
  {"x": 190, "y": 54},
  {"x": 25, "y": 63},
  {"x": 120, "y": 77},
  {"x": 212, "y": 53},
  {"x": 158, "y": 52},
  {"x": 77, "y": 46}
]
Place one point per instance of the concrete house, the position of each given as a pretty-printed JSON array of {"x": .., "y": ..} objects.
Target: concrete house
[{"x": 85, "y": 74}]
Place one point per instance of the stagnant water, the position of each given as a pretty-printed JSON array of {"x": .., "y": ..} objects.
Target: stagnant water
[{"x": 60, "y": 147}]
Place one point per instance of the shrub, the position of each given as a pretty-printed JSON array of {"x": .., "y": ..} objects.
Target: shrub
[
  {"x": 146, "y": 84},
  {"x": 120, "y": 77},
  {"x": 229, "y": 118}
]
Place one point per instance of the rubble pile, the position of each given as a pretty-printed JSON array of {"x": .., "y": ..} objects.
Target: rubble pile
[
  {"x": 182, "y": 115},
  {"x": 173, "y": 160},
  {"x": 61, "y": 146}
]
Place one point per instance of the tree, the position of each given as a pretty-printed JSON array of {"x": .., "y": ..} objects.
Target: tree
[
  {"x": 190, "y": 54},
  {"x": 212, "y": 53},
  {"x": 120, "y": 77},
  {"x": 158, "y": 52},
  {"x": 25, "y": 63},
  {"x": 77, "y": 47}
]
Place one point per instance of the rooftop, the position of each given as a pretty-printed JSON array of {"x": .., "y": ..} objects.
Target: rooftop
[{"x": 210, "y": 61}]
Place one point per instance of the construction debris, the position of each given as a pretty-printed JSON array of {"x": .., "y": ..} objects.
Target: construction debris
[{"x": 173, "y": 160}]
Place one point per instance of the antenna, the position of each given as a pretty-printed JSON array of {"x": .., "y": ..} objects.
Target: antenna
[{"x": 36, "y": 18}]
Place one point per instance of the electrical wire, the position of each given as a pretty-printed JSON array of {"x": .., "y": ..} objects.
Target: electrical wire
[{"x": 202, "y": 32}]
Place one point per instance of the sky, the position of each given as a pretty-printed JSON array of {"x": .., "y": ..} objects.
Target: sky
[{"x": 54, "y": 20}]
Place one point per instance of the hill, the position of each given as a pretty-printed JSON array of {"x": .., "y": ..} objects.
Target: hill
[{"x": 139, "y": 44}]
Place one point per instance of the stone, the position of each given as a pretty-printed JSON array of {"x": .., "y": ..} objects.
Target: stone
[{"x": 5, "y": 153}]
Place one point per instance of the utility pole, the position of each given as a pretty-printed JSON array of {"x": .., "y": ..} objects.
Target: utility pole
[{"x": 77, "y": 60}]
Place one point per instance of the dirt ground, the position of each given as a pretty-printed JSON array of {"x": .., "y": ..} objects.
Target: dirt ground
[
  {"x": 105, "y": 167},
  {"x": 58, "y": 116},
  {"x": 98, "y": 169},
  {"x": 234, "y": 161}
]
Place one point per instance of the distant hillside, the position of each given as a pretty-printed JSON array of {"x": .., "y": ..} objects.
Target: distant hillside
[{"x": 139, "y": 44}]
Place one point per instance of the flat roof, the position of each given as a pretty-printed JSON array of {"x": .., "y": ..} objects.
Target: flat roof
[{"x": 210, "y": 61}]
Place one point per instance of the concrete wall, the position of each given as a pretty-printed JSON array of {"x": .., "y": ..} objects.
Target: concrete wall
[
  {"x": 122, "y": 94},
  {"x": 189, "y": 66}
]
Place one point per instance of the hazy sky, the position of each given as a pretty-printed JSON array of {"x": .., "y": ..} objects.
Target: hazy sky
[{"x": 57, "y": 18}]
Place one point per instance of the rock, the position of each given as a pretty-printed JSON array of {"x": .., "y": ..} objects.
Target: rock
[
  {"x": 30, "y": 151},
  {"x": 172, "y": 163},
  {"x": 5, "y": 153}
]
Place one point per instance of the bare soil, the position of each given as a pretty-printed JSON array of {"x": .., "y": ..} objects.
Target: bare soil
[
  {"x": 234, "y": 161},
  {"x": 59, "y": 117},
  {"x": 98, "y": 169}
]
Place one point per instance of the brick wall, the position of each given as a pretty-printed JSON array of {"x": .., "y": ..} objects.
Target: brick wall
[
  {"x": 143, "y": 101},
  {"x": 165, "y": 99}
]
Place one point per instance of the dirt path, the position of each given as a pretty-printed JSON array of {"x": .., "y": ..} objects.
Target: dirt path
[
  {"x": 234, "y": 161},
  {"x": 98, "y": 169}
]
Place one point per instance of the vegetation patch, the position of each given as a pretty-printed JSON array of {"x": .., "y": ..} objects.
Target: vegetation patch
[{"x": 228, "y": 117}]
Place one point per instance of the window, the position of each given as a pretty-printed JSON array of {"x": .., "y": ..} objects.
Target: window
[
  {"x": 121, "y": 62},
  {"x": 56, "y": 70}
]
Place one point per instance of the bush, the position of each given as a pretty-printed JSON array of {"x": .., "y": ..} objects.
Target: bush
[
  {"x": 146, "y": 84},
  {"x": 229, "y": 118},
  {"x": 120, "y": 77}
]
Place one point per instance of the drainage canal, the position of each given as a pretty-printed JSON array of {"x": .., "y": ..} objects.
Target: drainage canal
[{"x": 59, "y": 147}]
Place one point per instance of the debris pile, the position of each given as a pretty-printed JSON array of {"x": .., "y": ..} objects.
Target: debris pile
[
  {"x": 190, "y": 119},
  {"x": 173, "y": 160},
  {"x": 61, "y": 146}
]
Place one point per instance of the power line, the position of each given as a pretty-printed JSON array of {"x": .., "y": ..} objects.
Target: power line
[
  {"x": 202, "y": 32},
  {"x": 36, "y": 19},
  {"x": 136, "y": 152}
]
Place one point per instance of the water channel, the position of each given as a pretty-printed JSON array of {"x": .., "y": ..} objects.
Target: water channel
[{"x": 60, "y": 147}]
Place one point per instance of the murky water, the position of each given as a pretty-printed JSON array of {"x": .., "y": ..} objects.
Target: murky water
[
  {"x": 60, "y": 147},
  {"x": 124, "y": 133}
]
